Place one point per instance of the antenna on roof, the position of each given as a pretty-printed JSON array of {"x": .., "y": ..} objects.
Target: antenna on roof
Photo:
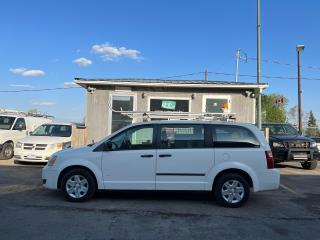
[{"x": 206, "y": 75}]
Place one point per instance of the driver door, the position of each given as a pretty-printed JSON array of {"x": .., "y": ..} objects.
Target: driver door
[
  {"x": 131, "y": 162},
  {"x": 19, "y": 129}
]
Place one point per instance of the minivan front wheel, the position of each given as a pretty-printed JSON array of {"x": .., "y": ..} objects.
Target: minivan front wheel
[
  {"x": 231, "y": 190},
  {"x": 78, "y": 185}
]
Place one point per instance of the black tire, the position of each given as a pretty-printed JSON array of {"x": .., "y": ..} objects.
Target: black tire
[
  {"x": 84, "y": 174},
  {"x": 7, "y": 151},
  {"x": 310, "y": 165},
  {"x": 219, "y": 185}
]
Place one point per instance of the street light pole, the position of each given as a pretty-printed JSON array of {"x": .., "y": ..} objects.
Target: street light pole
[
  {"x": 258, "y": 66},
  {"x": 299, "y": 49}
]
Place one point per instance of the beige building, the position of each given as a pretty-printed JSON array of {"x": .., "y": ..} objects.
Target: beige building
[{"x": 114, "y": 103}]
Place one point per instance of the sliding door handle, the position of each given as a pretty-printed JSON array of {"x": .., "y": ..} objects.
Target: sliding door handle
[
  {"x": 147, "y": 156},
  {"x": 165, "y": 155}
]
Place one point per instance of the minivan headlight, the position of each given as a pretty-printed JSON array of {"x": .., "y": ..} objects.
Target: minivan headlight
[
  {"x": 52, "y": 160},
  {"x": 277, "y": 144},
  {"x": 56, "y": 146},
  {"x": 313, "y": 144},
  {"x": 18, "y": 145}
]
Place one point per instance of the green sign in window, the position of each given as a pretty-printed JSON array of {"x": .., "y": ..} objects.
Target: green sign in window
[{"x": 171, "y": 105}]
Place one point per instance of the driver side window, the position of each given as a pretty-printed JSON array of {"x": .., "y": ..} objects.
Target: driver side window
[
  {"x": 20, "y": 124},
  {"x": 133, "y": 139}
]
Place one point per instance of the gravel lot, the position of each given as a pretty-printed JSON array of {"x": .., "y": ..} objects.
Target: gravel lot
[{"x": 29, "y": 211}]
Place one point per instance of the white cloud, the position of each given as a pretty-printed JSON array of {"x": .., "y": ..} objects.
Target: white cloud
[
  {"x": 44, "y": 103},
  {"x": 17, "y": 70},
  {"x": 27, "y": 73},
  {"x": 83, "y": 62},
  {"x": 110, "y": 53},
  {"x": 21, "y": 85},
  {"x": 69, "y": 84}
]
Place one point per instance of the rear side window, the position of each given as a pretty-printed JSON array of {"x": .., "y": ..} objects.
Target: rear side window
[
  {"x": 181, "y": 136},
  {"x": 234, "y": 137}
]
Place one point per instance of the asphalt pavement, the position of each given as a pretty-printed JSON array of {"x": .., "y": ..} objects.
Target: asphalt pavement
[{"x": 28, "y": 211}]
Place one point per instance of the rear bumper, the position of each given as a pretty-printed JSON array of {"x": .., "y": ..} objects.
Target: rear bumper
[
  {"x": 50, "y": 178},
  {"x": 269, "y": 180}
]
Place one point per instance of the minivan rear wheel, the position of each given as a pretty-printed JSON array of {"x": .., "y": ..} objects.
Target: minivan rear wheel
[
  {"x": 231, "y": 190},
  {"x": 78, "y": 185}
]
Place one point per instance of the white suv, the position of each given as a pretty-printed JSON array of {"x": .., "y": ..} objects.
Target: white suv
[{"x": 226, "y": 158}]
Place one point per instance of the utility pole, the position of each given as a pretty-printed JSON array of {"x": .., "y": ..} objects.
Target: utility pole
[
  {"x": 258, "y": 66},
  {"x": 206, "y": 75},
  {"x": 237, "y": 66},
  {"x": 299, "y": 49}
]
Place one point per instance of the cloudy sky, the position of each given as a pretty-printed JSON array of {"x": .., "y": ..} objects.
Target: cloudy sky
[{"x": 45, "y": 44}]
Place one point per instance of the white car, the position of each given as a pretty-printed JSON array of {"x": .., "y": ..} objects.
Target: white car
[
  {"x": 43, "y": 142},
  {"x": 14, "y": 127},
  {"x": 226, "y": 158}
]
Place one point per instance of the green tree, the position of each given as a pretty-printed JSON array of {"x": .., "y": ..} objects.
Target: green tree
[
  {"x": 312, "y": 127},
  {"x": 271, "y": 111}
]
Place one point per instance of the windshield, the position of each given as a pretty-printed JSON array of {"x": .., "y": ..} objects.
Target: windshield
[
  {"x": 6, "y": 122},
  {"x": 281, "y": 129},
  {"x": 54, "y": 130}
]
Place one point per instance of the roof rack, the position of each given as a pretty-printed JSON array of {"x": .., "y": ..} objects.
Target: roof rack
[
  {"x": 160, "y": 115},
  {"x": 24, "y": 114}
]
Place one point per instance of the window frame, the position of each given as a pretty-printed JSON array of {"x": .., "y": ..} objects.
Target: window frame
[
  {"x": 15, "y": 124},
  {"x": 121, "y": 93},
  {"x": 216, "y": 96},
  {"x": 101, "y": 147},
  {"x": 207, "y": 134},
  {"x": 231, "y": 144}
]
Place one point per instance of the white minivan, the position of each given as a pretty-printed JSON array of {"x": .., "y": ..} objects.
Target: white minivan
[
  {"x": 226, "y": 158},
  {"x": 43, "y": 142}
]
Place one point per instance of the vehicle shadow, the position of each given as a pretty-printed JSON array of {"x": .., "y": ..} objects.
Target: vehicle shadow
[
  {"x": 154, "y": 195},
  {"x": 283, "y": 165},
  {"x": 17, "y": 162}
]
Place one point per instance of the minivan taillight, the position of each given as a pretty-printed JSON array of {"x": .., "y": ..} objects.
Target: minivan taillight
[{"x": 269, "y": 159}]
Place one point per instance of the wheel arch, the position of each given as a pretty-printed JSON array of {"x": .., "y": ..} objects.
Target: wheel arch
[
  {"x": 69, "y": 168},
  {"x": 240, "y": 172}
]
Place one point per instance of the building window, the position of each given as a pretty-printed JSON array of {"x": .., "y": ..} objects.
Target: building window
[
  {"x": 217, "y": 104},
  {"x": 174, "y": 105},
  {"x": 121, "y": 103}
]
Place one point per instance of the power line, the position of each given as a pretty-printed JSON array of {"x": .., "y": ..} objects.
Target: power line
[
  {"x": 182, "y": 75},
  {"x": 38, "y": 90},
  {"x": 264, "y": 76},
  {"x": 282, "y": 63}
]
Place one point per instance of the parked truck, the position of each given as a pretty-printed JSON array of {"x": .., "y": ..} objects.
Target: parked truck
[{"x": 15, "y": 125}]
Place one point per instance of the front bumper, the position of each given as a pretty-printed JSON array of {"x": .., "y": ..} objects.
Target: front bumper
[
  {"x": 32, "y": 156},
  {"x": 50, "y": 177},
  {"x": 294, "y": 155}
]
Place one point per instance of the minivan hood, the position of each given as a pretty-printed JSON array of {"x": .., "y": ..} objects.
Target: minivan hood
[
  {"x": 290, "y": 138},
  {"x": 44, "y": 140},
  {"x": 73, "y": 151}
]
